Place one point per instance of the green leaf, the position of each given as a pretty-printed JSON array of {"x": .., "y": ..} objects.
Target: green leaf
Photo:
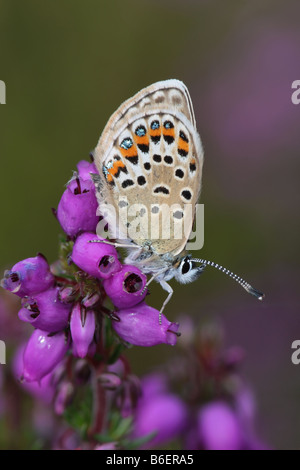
[{"x": 79, "y": 413}]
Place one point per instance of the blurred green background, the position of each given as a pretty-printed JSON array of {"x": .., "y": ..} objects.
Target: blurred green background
[{"x": 68, "y": 65}]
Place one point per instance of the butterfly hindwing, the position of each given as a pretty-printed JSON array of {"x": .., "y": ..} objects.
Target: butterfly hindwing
[{"x": 149, "y": 159}]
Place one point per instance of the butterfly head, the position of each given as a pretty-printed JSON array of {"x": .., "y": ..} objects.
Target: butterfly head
[{"x": 187, "y": 271}]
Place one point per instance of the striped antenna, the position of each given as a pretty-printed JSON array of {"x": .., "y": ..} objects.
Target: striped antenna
[{"x": 259, "y": 295}]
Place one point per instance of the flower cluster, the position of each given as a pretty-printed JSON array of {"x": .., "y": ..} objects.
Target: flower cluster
[
  {"x": 65, "y": 302},
  {"x": 84, "y": 308},
  {"x": 198, "y": 399}
]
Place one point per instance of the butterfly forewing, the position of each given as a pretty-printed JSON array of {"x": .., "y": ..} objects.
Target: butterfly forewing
[{"x": 149, "y": 158}]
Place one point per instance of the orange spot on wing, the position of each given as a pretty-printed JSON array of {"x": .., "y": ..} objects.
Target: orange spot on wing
[
  {"x": 182, "y": 145},
  {"x": 170, "y": 132},
  {"x": 120, "y": 164},
  {"x": 131, "y": 152},
  {"x": 141, "y": 140},
  {"x": 155, "y": 132},
  {"x": 115, "y": 168}
]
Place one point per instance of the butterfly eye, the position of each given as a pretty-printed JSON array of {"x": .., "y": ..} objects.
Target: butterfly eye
[
  {"x": 187, "y": 271},
  {"x": 186, "y": 266}
]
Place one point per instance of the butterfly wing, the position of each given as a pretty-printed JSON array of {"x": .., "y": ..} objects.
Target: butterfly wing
[{"x": 149, "y": 159}]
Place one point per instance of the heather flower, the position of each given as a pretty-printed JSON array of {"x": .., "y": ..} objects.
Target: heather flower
[
  {"x": 85, "y": 169},
  {"x": 97, "y": 259},
  {"x": 77, "y": 207},
  {"x": 28, "y": 277},
  {"x": 126, "y": 288},
  {"x": 44, "y": 389},
  {"x": 161, "y": 414},
  {"x": 43, "y": 352},
  {"x": 139, "y": 325},
  {"x": 45, "y": 311},
  {"x": 219, "y": 428},
  {"x": 82, "y": 326}
]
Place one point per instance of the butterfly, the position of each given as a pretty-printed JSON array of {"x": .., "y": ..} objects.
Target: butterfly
[{"x": 149, "y": 158}]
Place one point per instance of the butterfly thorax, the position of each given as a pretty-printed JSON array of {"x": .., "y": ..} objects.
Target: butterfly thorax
[{"x": 163, "y": 266}]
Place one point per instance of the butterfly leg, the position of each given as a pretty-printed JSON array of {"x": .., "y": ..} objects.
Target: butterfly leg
[
  {"x": 170, "y": 291},
  {"x": 152, "y": 279}
]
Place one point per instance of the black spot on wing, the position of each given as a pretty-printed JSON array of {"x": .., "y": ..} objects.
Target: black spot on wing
[
  {"x": 133, "y": 159},
  {"x": 168, "y": 159},
  {"x": 161, "y": 190},
  {"x": 143, "y": 148},
  {"x": 157, "y": 158},
  {"x": 127, "y": 183},
  {"x": 179, "y": 173},
  {"x": 141, "y": 180},
  {"x": 186, "y": 194}
]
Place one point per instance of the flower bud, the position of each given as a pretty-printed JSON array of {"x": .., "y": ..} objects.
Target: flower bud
[
  {"x": 126, "y": 287},
  {"x": 109, "y": 381},
  {"x": 45, "y": 311},
  {"x": 68, "y": 294},
  {"x": 82, "y": 327},
  {"x": 97, "y": 259},
  {"x": 28, "y": 277},
  {"x": 90, "y": 300},
  {"x": 77, "y": 208},
  {"x": 43, "y": 352},
  {"x": 140, "y": 326}
]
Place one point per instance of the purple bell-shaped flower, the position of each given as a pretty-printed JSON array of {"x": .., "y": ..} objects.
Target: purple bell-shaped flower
[
  {"x": 219, "y": 427},
  {"x": 28, "y": 277},
  {"x": 139, "y": 325},
  {"x": 77, "y": 207},
  {"x": 43, "y": 352},
  {"x": 82, "y": 327},
  {"x": 45, "y": 311},
  {"x": 97, "y": 259},
  {"x": 126, "y": 287}
]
